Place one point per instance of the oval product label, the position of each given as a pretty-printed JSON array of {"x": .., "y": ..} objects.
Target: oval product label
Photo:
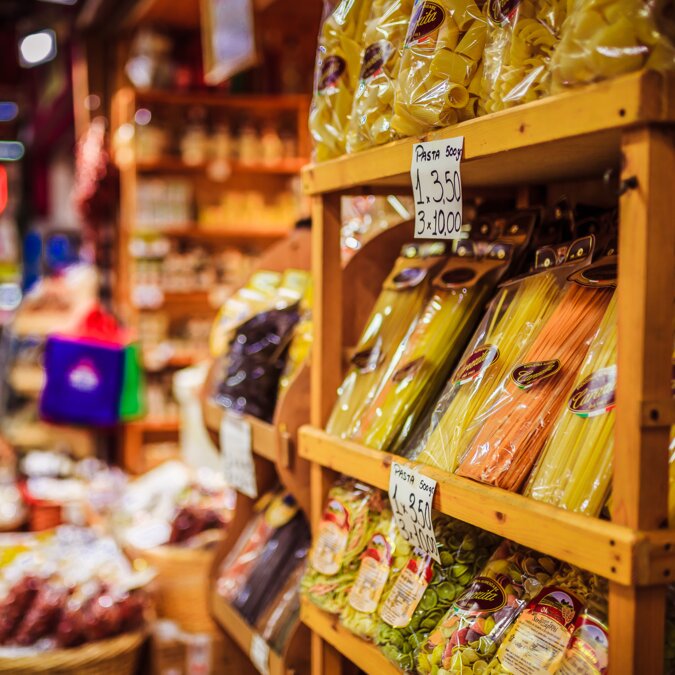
[
  {"x": 602, "y": 275},
  {"x": 588, "y": 649},
  {"x": 527, "y": 374},
  {"x": 484, "y": 594},
  {"x": 332, "y": 69},
  {"x": 595, "y": 394},
  {"x": 367, "y": 360},
  {"x": 500, "y": 11},
  {"x": 409, "y": 277},
  {"x": 409, "y": 370},
  {"x": 458, "y": 276},
  {"x": 476, "y": 364},
  {"x": 374, "y": 58},
  {"x": 428, "y": 17}
]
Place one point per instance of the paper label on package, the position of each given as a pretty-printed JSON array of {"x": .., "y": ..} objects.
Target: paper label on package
[{"x": 236, "y": 449}]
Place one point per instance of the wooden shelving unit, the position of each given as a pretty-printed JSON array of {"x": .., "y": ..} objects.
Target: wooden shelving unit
[{"x": 625, "y": 124}]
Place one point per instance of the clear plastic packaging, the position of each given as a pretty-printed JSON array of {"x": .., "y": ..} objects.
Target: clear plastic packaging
[
  {"x": 373, "y": 107},
  {"x": 516, "y": 421},
  {"x": 460, "y": 292},
  {"x": 467, "y": 637},
  {"x": 605, "y": 39},
  {"x": 518, "y": 51},
  {"x": 338, "y": 62},
  {"x": 440, "y": 77},
  {"x": 396, "y": 310}
]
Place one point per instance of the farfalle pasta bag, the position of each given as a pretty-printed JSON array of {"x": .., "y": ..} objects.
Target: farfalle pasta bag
[
  {"x": 439, "y": 80},
  {"x": 338, "y": 63}
]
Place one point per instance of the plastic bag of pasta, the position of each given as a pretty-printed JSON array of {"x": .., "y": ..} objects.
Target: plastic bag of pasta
[
  {"x": 370, "y": 122},
  {"x": 351, "y": 517},
  {"x": 424, "y": 589},
  {"x": 518, "y": 51},
  {"x": 336, "y": 76},
  {"x": 468, "y": 635},
  {"x": 605, "y": 39},
  {"x": 439, "y": 80}
]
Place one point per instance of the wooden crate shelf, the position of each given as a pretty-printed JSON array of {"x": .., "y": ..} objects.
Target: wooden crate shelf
[{"x": 288, "y": 167}]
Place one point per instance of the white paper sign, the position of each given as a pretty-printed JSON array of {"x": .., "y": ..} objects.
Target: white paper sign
[
  {"x": 437, "y": 188},
  {"x": 411, "y": 494},
  {"x": 259, "y": 654},
  {"x": 235, "y": 446}
]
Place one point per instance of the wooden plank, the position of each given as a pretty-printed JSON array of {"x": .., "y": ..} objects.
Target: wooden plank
[
  {"x": 268, "y": 104},
  {"x": 286, "y": 167},
  {"x": 644, "y": 397},
  {"x": 573, "y": 134},
  {"x": 364, "y": 654},
  {"x": 599, "y": 546}
]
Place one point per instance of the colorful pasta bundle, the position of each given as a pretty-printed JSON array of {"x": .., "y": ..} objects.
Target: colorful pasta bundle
[
  {"x": 513, "y": 319},
  {"x": 518, "y": 51},
  {"x": 373, "y": 107},
  {"x": 575, "y": 467},
  {"x": 461, "y": 290},
  {"x": 439, "y": 80},
  {"x": 606, "y": 39},
  {"x": 398, "y": 306},
  {"x": 518, "y": 418},
  {"x": 336, "y": 77}
]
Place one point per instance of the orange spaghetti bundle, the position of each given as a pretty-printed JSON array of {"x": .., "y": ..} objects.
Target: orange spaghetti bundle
[{"x": 518, "y": 418}]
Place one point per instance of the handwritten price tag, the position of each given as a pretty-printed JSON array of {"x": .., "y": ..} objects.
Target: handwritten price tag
[
  {"x": 410, "y": 494},
  {"x": 437, "y": 188},
  {"x": 259, "y": 653},
  {"x": 235, "y": 446}
]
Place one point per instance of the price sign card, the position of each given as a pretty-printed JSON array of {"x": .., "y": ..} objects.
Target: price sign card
[
  {"x": 259, "y": 653},
  {"x": 410, "y": 494},
  {"x": 235, "y": 446},
  {"x": 437, "y": 188}
]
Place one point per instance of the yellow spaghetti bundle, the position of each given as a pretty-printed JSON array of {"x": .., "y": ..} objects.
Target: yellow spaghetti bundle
[
  {"x": 514, "y": 318},
  {"x": 575, "y": 468},
  {"x": 515, "y": 430},
  {"x": 398, "y": 306}
]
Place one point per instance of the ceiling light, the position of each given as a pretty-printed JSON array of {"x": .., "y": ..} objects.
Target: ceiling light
[{"x": 37, "y": 48}]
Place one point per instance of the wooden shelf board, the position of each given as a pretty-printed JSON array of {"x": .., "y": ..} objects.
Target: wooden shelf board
[
  {"x": 575, "y": 134},
  {"x": 193, "y": 231},
  {"x": 214, "y": 97},
  {"x": 156, "y": 424},
  {"x": 236, "y": 627},
  {"x": 614, "y": 551},
  {"x": 174, "y": 164},
  {"x": 364, "y": 654}
]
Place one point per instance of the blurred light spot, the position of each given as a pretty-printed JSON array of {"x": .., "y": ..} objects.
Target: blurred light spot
[
  {"x": 142, "y": 116},
  {"x": 37, "y": 48},
  {"x": 11, "y": 151},
  {"x": 92, "y": 102},
  {"x": 8, "y": 111}
]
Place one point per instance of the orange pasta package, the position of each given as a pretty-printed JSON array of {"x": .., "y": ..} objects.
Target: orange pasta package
[{"x": 515, "y": 422}]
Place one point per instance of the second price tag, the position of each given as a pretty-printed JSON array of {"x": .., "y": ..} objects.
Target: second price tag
[
  {"x": 235, "y": 445},
  {"x": 259, "y": 652},
  {"x": 411, "y": 494}
]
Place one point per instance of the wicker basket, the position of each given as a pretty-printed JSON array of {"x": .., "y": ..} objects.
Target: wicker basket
[{"x": 116, "y": 656}]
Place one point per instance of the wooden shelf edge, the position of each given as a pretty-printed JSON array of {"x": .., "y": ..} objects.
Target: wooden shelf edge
[
  {"x": 365, "y": 655},
  {"x": 156, "y": 424},
  {"x": 613, "y": 551},
  {"x": 234, "y": 625},
  {"x": 194, "y": 231},
  {"x": 289, "y": 167},
  {"x": 506, "y": 147}
]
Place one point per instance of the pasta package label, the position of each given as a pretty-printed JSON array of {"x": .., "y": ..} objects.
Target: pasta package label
[
  {"x": 408, "y": 590},
  {"x": 331, "y": 540},
  {"x": 484, "y": 595},
  {"x": 428, "y": 17},
  {"x": 595, "y": 395},
  {"x": 588, "y": 650},
  {"x": 374, "y": 58},
  {"x": 476, "y": 364},
  {"x": 373, "y": 574},
  {"x": 332, "y": 70},
  {"x": 501, "y": 11},
  {"x": 526, "y": 375},
  {"x": 537, "y": 641}
]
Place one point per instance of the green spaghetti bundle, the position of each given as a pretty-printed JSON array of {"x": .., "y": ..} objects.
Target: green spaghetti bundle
[
  {"x": 575, "y": 468},
  {"x": 513, "y": 319},
  {"x": 396, "y": 310}
]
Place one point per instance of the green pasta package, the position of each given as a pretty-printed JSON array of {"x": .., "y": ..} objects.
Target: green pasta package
[
  {"x": 337, "y": 74},
  {"x": 373, "y": 107},
  {"x": 460, "y": 292},
  {"x": 423, "y": 589},
  {"x": 522, "y": 37},
  {"x": 439, "y": 80},
  {"x": 467, "y": 636},
  {"x": 604, "y": 39},
  {"x": 353, "y": 513},
  {"x": 396, "y": 310}
]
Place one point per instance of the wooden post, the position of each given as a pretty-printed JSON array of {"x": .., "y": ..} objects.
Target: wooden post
[{"x": 645, "y": 338}]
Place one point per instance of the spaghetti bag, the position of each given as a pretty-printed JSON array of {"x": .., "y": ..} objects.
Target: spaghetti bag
[
  {"x": 518, "y": 52},
  {"x": 516, "y": 421},
  {"x": 352, "y": 515},
  {"x": 396, "y": 310},
  {"x": 424, "y": 589},
  {"x": 605, "y": 39},
  {"x": 469, "y": 633},
  {"x": 575, "y": 468},
  {"x": 439, "y": 80},
  {"x": 460, "y": 292},
  {"x": 373, "y": 107},
  {"x": 337, "y": 71}
]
